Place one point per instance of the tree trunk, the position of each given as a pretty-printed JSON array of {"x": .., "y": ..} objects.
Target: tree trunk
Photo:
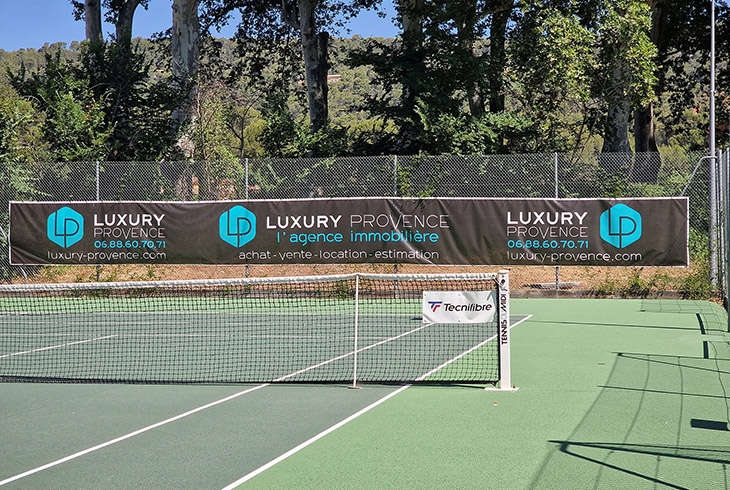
[
  {"x": 411, "y": 16},
  {"x": 615, "y": 157},
  {"x": 648, "y": 161},
  {"x": 316, "y": 65},
  {"x": 185, "y": 45},
  {"x": 125, "y": 16},
  {"x": 646, "y": 168},
  {"x": 498, "y": 57},
  {"x": 466, "y": 33},
  {"x": 92, "y": 15}
]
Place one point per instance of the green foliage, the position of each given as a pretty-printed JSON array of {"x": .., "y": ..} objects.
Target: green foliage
[
  {"x": 284, "y": 137},
  {"x": 100, "y": 105},
  {"x": 697, "y": 285},
  {"x": 74, "y": 125},
  {"x": 464, "y": 134},
  {"x": 550, "y": 69},
  {"x": 626, "y": 56},
  {"x": 20, "y": 132}
]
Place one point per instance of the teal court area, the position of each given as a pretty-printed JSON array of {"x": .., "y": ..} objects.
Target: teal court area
[{"x": 613, "y": 394}]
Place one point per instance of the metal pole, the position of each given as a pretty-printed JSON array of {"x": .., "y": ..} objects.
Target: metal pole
[
  {"x": 248, "y": 268},
  {"x": 395, "y": 175},
  {"x": 246, "y": 191},
  {"x": 713, "y": 164},
  {"x": 557, "y": 194},
  {"x": 556, "y": 177},
  {"x": 395, "y": 193},
  {"x": 98, "y": 198},
  {"x": 356, "y": 328},
  {"x": 726, "y": 210},
  {"x": 98, "y": 193}
]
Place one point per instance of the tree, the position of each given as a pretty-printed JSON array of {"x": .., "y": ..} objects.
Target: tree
[
  {"x": 74, "y": 125},
  {"x": 551, "y": 65},
  {"x": 120, "y": 13},
  {"x": 275, "y": 20},
  {"x": 626, "y": 58},
  {"x": 301, "y": 16},
  {"x": 185, "y": 46},
  {"x": 501, "y": 13},
  {"x": 92, "y": 13}
]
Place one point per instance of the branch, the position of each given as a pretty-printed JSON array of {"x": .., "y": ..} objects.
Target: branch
[{"x": 289, "y": 15}]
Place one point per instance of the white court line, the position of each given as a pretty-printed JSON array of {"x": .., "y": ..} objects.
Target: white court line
[
  {"x": 50, "y": 347},
  {"x": 389, "y": 339},
  {"x": 306, "y": 443},
  {"x": 223, "y": 400},
  {"x": 127, "y": 436},
  {"x": 145, "y": 429},
  {"x": 472, "y": 349}
]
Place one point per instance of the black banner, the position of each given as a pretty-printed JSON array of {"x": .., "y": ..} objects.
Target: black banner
[{"x": 439, "y": 231}]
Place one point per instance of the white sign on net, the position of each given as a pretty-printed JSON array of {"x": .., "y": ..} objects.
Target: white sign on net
[{"x": 459, "y": 306}]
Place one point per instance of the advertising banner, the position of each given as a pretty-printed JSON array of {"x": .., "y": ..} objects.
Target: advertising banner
[
  {"x": 439, "y": 231},
  {"x": 459, "y": 306}
]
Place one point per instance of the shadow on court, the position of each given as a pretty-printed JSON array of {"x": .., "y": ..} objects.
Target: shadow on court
[{"x": 659, "y": 422}]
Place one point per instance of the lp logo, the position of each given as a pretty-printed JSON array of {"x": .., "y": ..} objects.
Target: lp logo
[
  {"x": 620, "y": 226},
  {"x": 65, "y": 227},
  {"x": 237, "y": 226}
]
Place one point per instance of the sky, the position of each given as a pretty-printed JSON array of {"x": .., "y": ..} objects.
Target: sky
[{"x": 32, "y": 23}]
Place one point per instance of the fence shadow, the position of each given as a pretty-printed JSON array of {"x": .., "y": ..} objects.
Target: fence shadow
[{"x": 659, "y": 422}]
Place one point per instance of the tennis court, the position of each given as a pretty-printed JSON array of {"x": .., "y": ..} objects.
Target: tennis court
[{"x": 613, "y": 394}]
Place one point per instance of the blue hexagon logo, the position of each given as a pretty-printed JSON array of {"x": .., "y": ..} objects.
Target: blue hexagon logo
[
  {"x": 620, "y": 226},
  {"x": 237, "y": 226},
  {"x": 65, "y": 227}
]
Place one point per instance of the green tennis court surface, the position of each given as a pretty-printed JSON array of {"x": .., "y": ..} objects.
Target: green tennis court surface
[{"x": 613, "y": 394}]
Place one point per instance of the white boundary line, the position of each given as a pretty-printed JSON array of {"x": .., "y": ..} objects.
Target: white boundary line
[
  {"x": 389, "y": 339},
  {"x": 306, "y": 443},
  {"x": 127, "y": 436},
  {"x": 50, "y": 347},
  {"x": 471, "y": 349},
  {"x": 259, "y": 470},
  {"x": 212, "y": 404}
]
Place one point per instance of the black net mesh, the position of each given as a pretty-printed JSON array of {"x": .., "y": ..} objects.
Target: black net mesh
[{"x": 243, "y": 330}]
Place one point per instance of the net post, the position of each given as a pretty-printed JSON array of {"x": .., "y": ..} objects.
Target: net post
[
  {"x": 503, "y": 334},
  {"x": 356, "y": 328}
]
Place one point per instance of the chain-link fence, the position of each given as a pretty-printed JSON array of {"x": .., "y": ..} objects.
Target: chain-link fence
[{"x": 533, "y": 175}]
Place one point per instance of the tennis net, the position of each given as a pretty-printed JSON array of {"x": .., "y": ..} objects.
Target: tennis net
[{"x": 364, "y": 327}]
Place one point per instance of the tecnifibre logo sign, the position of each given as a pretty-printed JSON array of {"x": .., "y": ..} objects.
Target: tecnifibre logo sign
[
  {"x": 459, "y": 306},
  {"x": 435, "y": 305},
  {"x": 237, "y": 226},
  {"x": 620, "y": 226},
  {"x": 65, "y": 227}
]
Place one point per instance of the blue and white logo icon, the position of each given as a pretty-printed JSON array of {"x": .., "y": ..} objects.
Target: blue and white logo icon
[
  {"x": 620, "y": 226},
  {"x": 237, "y": 226},
  {"x": 65, "y": 227}
]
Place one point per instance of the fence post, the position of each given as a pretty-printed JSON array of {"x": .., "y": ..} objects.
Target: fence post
[
  {"x": 725, "y": 166},
  {"x": 713, "y": 184},
  {"x": 248, "y": 266},
  {"x": 98, "y": 198},
  {"x": 395, "y": 175},
  {"x": 246, "y": 169},
  {"x": 557, "y": 195},
  {"x": 395, "y": 193},
  {"x": 556, "y": 176}
]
